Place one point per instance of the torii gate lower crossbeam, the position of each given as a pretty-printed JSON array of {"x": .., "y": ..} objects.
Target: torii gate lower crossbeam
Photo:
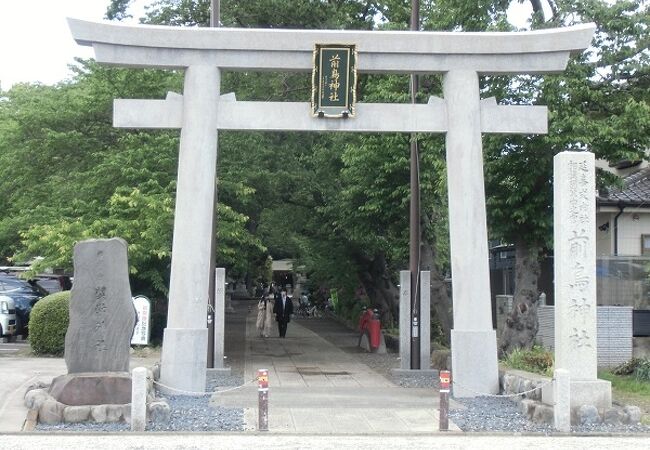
[{"x": 201, "y": 111}]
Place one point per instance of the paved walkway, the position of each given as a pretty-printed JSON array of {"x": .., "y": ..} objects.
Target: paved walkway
[{"x": 315, "y": 387}]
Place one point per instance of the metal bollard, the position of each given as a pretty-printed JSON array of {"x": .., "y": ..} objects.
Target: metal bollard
[
  {"x": 445, "y": 380},
  {"x": 263, "y": 399}
]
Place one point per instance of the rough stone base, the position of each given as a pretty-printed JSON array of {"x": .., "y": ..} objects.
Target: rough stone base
[
  {"x": 592, "y": 392},
  {"x": 475, "y": 369},
  {"x": 46, "y": 409},
  {"x": 92, "y": 388},
  {"x": 184, "y": 360},
  {"x": 514, "y": 381}
]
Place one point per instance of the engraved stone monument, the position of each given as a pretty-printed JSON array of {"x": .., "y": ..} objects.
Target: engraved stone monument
[
  {"x": 102, "y": 318},
  {"x": 102, "y": 315},
  {"x": 575, "y": 278}
]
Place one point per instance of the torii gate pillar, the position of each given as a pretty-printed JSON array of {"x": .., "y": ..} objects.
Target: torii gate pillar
[
  {"x": 185, "y": 342},
  {"x": 473, "y": 340}
]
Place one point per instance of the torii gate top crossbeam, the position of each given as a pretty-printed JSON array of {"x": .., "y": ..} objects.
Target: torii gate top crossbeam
[{"x": 291, "y": 50}]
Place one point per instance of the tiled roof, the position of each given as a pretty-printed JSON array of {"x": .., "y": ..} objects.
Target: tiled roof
[{"x": 635, "y": 191}]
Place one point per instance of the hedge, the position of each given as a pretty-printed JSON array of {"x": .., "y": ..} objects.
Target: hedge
[{"x": 48, "y": 323}]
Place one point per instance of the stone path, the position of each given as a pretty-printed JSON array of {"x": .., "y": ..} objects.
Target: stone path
[{"x": 315, "y": 387}]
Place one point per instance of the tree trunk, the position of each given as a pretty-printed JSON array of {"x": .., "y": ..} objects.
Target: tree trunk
[
  {"x": 379, "y": 286},
  {"x": 440, "y": 301},
  {"x": 521, "y": 325}
]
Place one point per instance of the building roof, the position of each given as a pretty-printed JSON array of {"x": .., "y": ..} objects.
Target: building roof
[{"x": 635, "y": 191}]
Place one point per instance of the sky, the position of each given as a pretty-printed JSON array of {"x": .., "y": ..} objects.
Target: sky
[{"x": 36, "y": 44}]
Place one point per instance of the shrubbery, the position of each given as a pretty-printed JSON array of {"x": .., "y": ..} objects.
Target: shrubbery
[
  {"x": 639, "y": 367},
  {"x": 536, "y": 360},
  {"x": 48, "y": 323},
  {"x": 349, "y": 309}
]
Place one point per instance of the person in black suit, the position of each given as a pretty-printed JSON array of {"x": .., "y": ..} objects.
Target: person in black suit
[{"x": 283, "y": 309}]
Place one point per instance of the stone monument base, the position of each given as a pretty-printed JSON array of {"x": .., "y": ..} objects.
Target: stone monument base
[
  {"x": 474, "y": 365},
  {"x": 184, "y": 360},
  {"x": 583, "y": 392},
  {"x": 48, "y": 405},
  {"x": 96, "y": 388}
]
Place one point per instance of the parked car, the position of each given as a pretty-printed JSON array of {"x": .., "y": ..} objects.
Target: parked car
[
  {"x": 7, "y": 317},
  {"x": 24, "y": 296},
  {"x": 25, "y": 293}
]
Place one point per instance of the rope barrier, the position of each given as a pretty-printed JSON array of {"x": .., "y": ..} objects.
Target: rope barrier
[
  {"x": 504, "y": 395},
  {"x": 197, "y": 393}
]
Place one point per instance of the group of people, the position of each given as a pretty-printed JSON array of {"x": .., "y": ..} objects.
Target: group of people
[{"x": 274, "y": 305}]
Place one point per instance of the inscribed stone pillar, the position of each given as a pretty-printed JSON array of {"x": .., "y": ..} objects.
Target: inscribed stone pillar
[
  {"x": 574, "y": 204},
  {"x": 425, "y": 320},
  {"x": 184, "y": 353},
  {"x": 473, "y": 341},
  {"x": 405, "y": 319},
  {"x": 219, "y": 316},
  {"x": 102, "y": 315}
]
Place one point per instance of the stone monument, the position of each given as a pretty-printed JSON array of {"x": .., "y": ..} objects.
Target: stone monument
[
  {"x": 575, "y": 278},
  {"x": 102, "y": 318}
]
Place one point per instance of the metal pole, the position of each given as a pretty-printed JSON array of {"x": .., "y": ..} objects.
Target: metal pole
[
  {"x": 263, "y": 400},
  {"x": 215, "y": 13},
  {"x": 414, "y": 247},
  {"x": 214, "y": 22}
]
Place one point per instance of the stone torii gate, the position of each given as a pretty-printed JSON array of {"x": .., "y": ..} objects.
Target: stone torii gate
[{"x": 204, "y": 52}]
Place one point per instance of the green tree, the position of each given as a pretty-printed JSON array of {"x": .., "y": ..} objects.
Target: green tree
[
  {"x": 599, "y": 103},
  {"x": 66, "y": 174}
]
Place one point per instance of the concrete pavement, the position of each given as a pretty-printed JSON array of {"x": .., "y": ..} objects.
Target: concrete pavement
[
  {"x": 315, "y": 387},
  {"x": 19, "y": 372},
  {"x": 266, "y": 441}
]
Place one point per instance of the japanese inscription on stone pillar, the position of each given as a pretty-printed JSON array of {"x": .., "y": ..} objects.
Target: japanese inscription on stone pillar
[{"x": 575, "y": 264}]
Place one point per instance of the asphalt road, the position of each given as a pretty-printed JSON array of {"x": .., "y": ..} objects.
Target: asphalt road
[{"x": 10, "y": 348}]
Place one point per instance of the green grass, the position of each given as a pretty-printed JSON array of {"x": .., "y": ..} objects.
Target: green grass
[
  {"x": 627, "y": 390},
  {"x": 626, "y": 383}
]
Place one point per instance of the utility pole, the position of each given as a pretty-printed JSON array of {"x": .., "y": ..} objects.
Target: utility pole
[
  {"x": 215, "y": 13},
  {"x": 414, "y": 247},
  {"x": 215, "y": 17}
]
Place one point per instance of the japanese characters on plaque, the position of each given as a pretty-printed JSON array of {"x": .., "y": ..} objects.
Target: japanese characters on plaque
[
  {"x": 580, "y": 281},
  {"x": 334, "y": 80},
  {"x": 141, "y": 332}
]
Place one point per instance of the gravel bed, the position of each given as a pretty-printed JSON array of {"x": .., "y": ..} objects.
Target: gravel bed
[
  {"x": 502, "y": 414},
  {"x": 195, "y": 414},
  {"x": 416, "y": 380},
  {"x": 493, "y": 414},
  {"x": 187, "y": 413}
]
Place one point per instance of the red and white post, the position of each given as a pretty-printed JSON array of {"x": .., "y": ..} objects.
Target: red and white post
[
  {"x": 263, "y": 400},
  {"x": 445, "y": 381}
]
